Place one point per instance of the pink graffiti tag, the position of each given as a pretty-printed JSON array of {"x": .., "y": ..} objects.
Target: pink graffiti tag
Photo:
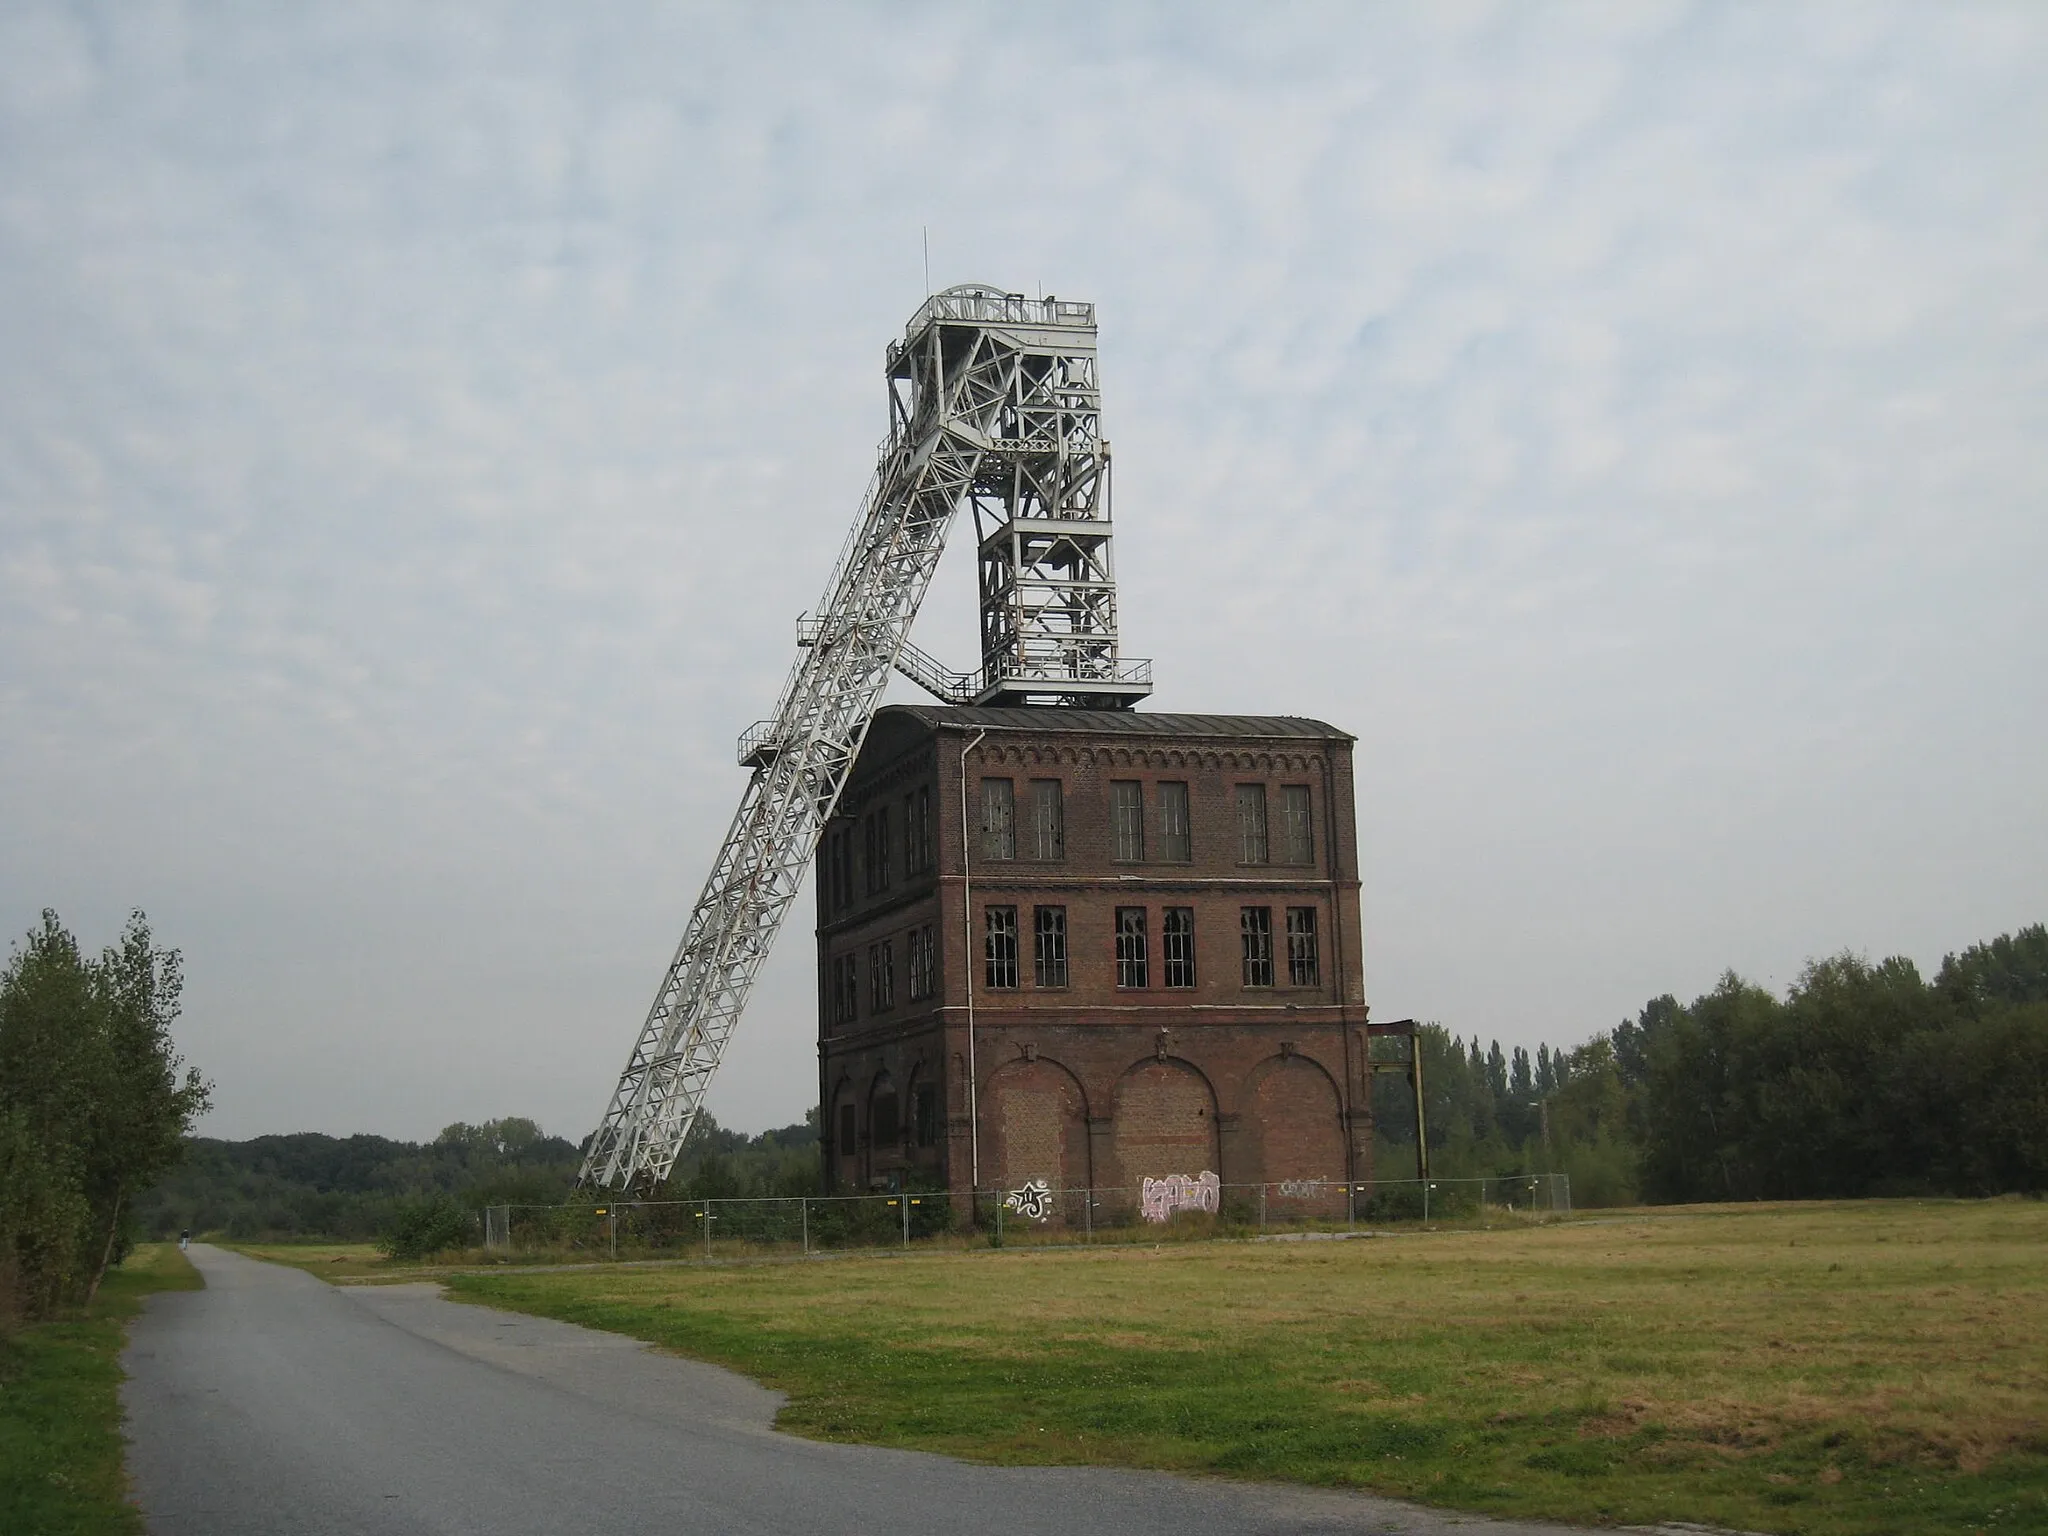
[{"x": 1160, "y": 1198}]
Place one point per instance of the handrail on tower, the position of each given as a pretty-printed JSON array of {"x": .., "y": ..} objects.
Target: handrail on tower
[{"x": 994, "y": 404}]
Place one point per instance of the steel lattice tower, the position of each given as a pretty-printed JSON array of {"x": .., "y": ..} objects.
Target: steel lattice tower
[{"x": 993, "y": 401}]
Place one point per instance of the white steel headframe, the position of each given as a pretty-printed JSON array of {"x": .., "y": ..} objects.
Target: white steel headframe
[
  {"x": 1041, "y": 520},
  {"x": 976, "y": 387}
]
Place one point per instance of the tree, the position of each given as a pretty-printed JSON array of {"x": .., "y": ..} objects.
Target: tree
[
  {"x": 147, "y": 1107},
  {"x": 2012, "y": 968},
  {"x": 93, "y": 1106}
]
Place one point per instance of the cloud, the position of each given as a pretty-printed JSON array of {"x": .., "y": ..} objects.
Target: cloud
[{"x": 419, "y": 431}]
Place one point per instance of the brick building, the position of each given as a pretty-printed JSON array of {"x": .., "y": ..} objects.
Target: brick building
[{"x": 1158, "y": 917}]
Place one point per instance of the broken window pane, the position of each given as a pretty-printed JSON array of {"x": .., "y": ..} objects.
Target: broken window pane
[
  {"x": 1296, "y": 827},
  {"x": 1127, "y": 819},
  {"x": 1131, "y": 968},
  {"x": 1048, "y": 821},
  {"x": 1176, "y": 845},
  {"x": 882, "y": 976},
  {"x": 1002, "y": 946},
  {"x": 1178, "y": 929},
  {"x": 1251, "y": 823},
  {"x": 1303, "y": 967},
  {"x": 998, "y": 819},
  {"x": 1049, "y": 925},
  {"x": 1255, "y": 927}
]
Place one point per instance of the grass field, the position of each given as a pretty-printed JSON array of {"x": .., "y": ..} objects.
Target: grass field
[
  {"x": 1876, "y": 1367},
  {"x": 60, "y": 1408}
]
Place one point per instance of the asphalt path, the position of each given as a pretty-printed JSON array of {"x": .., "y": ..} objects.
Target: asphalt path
[{"x": 272, "y": 1403}]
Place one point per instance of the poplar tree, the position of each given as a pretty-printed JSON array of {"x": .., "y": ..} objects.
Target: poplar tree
[{"x": 95, "y": 1104}]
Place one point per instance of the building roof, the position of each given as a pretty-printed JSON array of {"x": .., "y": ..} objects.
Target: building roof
[{"x": 1117, "y": 722}]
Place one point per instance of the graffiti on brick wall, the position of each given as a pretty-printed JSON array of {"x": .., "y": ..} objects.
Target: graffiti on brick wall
[
  {"x": 1033, "y": 1202},
  {"x": 1304, "y": 1189},
  {"x": 1160, "y": 1198}
]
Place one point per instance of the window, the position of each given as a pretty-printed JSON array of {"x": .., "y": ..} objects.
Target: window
[
  {"x": 998, "y": 819},
  {"x": 1251, "y": 823},
  {"x": 845, "y": 989},
  {"x": 921, "y": 966},
  {"x": 1255, "y": 925},
  {"x": 1303, "y": 969},
  {"x": 924, "y": 1108},
  {"x": 839, "y": 868},
  {"x": 882, "y": 976},
  {"x": 1002, "y": 946},
  {"x": 1131, "y": 970},
  {"x": 1176, "y": 846},
  {"x": 846, "y": 1143},
  {"x": 1049, "y": 935},
  {"x": 917, "y": 831},
  {"x": 877, "y": 849},
  {"x": 1178, "y": 930},
  {"x": 1295, "y": 825},
  {"x": 883, "y": 1130},
  {"x": 1127, "y": 819},
  {"x": 1048, "y": 821}
]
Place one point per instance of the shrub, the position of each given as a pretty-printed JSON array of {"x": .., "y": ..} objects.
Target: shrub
[{"x": 422, "y": 1227}]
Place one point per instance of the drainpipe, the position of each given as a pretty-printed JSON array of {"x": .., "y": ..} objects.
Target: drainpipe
[{"x": 967, "y": 976}]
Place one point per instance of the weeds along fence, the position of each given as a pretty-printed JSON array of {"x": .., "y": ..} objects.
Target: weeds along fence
[{"x": 1178, "y": 1207}]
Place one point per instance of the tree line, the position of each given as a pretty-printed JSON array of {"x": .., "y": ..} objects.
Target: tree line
[
  {"x": 95, "y": 1104},
  {"x": 361, "y": 1187},
  {"x": 1863, "y": 1079}
]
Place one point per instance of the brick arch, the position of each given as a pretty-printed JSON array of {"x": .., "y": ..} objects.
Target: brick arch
[
  {"x": 1162, "y": 1121},
  {"x": 1034, "y": 1125},
  {"x": 1294, "y": 1113}
]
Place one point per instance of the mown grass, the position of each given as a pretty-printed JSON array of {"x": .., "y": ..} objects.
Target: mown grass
[
  {"x": 60, "y": 1407},
  {"x": 330, "y": 1261},
  {"x": 1874, "y": 1367}
]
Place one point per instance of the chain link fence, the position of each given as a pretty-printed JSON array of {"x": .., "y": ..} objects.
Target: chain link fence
[{"x": 1037, "y": 1213}]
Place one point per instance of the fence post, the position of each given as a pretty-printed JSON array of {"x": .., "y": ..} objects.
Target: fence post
[
  {"x": 707, "y": 1231},
  {"x": 612, "y": 1221},
  {"x": 1087, "y": 1215},
  {"x": 1425, "y": 1199},
  {"x": 804, "y": 1215},
  {"x": 1262, "y": 1207},
  {"x": 904, "y": 1197}
]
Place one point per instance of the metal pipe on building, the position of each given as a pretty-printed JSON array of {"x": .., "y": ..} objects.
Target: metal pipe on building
[{"x": 967, "y": 976}]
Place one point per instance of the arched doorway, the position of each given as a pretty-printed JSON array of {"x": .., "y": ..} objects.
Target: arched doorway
[
  {"x": 1163, "y": 1122},
  {"x": 1297, "y": 1137},
  {"x": 1034, "y": 1126}
]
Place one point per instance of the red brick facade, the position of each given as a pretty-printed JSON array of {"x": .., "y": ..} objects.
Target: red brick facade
[{"x": 1229, "y": 1039}]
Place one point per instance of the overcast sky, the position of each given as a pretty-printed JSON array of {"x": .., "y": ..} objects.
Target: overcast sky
[{"x": 421, "y": 425}]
